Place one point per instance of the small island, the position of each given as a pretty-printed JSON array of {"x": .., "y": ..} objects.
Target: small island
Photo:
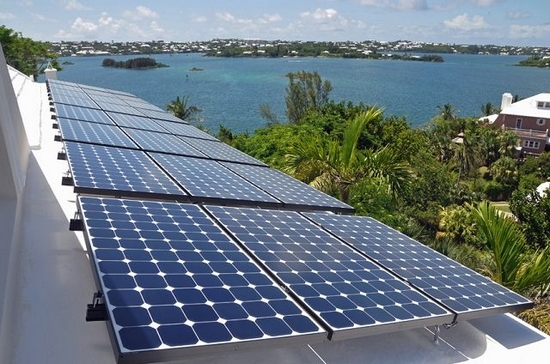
[
  {"x": 536, "y": 61},
  {"x": 134, "y": 63}
]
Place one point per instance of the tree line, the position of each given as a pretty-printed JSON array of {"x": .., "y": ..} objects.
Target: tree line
[{"x": 133, "y": 63}]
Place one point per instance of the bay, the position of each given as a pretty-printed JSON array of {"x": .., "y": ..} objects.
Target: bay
[{"x": 231, "y": 90}]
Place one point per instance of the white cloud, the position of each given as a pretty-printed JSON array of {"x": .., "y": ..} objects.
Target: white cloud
[
  {"x": 486, "y": 2},
  {"x": 465, "y": 23},
  {"x": 199, "y": 19},
  {"x": 141, "y": 12},
  {"x": 529, "y": 31},
  {"x": 397, "y": 4},
  {"x": 320, "y": 14},
  {"x": 41, "y": 17},
  {"x": 6, "y": 16},
  {"x": 270, "y": 18},
  {"x": 410, "y": 5},
  {"x": 105, "y": 19},
  {"x": 518, "y": 15},
  {"x": 75, "y": 5},
  {"x": 82, "y": 26},
  {"x": 155, "y": 27},
  {"x": 230, "y": 18}
]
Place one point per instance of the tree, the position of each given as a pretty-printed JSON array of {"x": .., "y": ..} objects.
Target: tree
[
  {"x": 466, "y": 154},
  {"x": 513, "y": 265},
  {"x": 489, "y": 109},
  {"x": 533, "y": 212},
  {"x": 447, "y": 112},
  {"x": 335, "y": 167},
  {"x": 24, "y": 54},
  {"x": 305, "y": 91},
  {"x": 181, "y": 109}
]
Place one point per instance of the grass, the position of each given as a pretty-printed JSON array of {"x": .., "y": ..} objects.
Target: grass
[{"x": 502, "y": 206}]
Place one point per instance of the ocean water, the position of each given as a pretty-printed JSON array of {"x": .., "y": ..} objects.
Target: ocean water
[{"x": 231, "y": 90}]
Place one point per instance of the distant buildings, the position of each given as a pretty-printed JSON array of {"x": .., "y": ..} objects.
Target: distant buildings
[{"x": 529, "y": 118}]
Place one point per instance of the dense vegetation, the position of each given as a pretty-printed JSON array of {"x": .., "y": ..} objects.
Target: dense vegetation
[
  {"x": 536, "y": 61},
  {"x": 315, "y": 49},
  {"x": 445, "y": 184},
  {"x": 134, "y": 63},
  {"x": 24, "y": 54}
]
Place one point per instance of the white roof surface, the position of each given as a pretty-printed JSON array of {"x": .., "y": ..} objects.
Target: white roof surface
[
  {"x": 47, "y": 281},
  {"x": 528, "y": 107}
]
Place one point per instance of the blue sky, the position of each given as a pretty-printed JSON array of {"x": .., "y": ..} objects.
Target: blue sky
[{"x": 502, "y": 22}]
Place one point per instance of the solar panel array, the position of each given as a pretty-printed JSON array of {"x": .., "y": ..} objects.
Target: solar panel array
[
  {"x": 198, "y": 247},
  {"x": 174, "y": 280},
  {"x": 459, "y": 288}
]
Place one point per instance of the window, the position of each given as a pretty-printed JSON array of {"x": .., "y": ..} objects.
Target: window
[
  {"x": 540, "y": 104},
  {"x": 541, "y": 121},
  {"x": 519, "y": 121},
  {"x": 531, "y": 144}
]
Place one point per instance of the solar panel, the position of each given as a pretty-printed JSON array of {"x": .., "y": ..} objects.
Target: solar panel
[
  {"x": 287, "y": 189},
  {"x": 351, "y": 294},
  {"x": 82, "y": 113},
  {"x": 124, "y": 109},
  {"x": 134, "y": 121},
  {"x": 68, "y": 92},
  {"x": 118, "y": 172},
  {"x": 142, "y": 104},
  {"x": 208, "y": 181},
  {"x": 103, "y": 91},
  {"x": 88, "y": 132},
  {"x": 175, "y": 285},
  {"x": 161, "y": 142},
  {"x": 160, "y": 115},
  {"x": 100, "y": 97},
  {"x": 75, "y": 101},
  {"x": 221, "y": 151},
  {"x": 184, "y": 130},
  {"x": 459, "y": 288}
]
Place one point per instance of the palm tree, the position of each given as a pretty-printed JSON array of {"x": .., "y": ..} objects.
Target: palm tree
[
  {"x": 447, "y": 112},
  {"x": 513, "y": 265},
  {"x": 466, "y": 155},
  {"x": 181, "y": 109},
  {"x": 489, "y": 109},
  {"x": 335, "y": 167}
]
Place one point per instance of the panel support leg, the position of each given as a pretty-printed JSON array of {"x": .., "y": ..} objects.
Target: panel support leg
[{"x": 436, "y": 334}]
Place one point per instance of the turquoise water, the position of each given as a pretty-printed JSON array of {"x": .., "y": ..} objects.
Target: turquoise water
[{"x": 231, "y": 90}]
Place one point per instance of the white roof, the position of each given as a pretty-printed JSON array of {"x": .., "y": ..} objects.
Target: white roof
[
  {"x": 47, "y": 281},
  {"x": 543, "y": 188},
  {"x": 528, "y": 107}
]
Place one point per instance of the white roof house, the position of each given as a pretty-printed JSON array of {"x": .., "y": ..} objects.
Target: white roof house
[
  {"x": 529, "y": 118},
  {"x": 46, "y": 280}
]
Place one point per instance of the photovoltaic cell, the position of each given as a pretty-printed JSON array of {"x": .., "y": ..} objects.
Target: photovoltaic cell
[
  {"x": 221, "y": 151},
  {"x": 162, "y": 142},
  {"x": 142, "y": 104},
  {"x": 107, "y": 98},
  {"x": 119, "y": 172},
  {"x": 68, "y": 92},
  {"x": 87, "y": 132},
  {"x": 160, "y": 115},
  {"x": 207, "y": 180},
  {"x": 175, "y": 284},
  {"x": 459, "y": 288},
  {"x": 82, "y": 113},
  {"x": 75, "y": 101},
  {"x": 123, "y": 109},
  {"x": 287, "y": 189},
  {"x": 184, "y": 130},
  {"x": 351, "y": 294},
  {"x": 134, "y": 121}
]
